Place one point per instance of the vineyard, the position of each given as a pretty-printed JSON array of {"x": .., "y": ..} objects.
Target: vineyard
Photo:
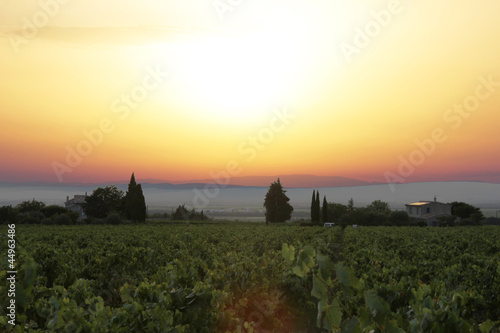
[{"x": 252, "y": 278}]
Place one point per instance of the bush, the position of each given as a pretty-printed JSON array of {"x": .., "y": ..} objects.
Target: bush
[
  {"x": 399, "y": 217},
  {"x": 307, "y": 224},
  {"x": 447, "y": 221},
  {"x": 113, "y": 219},
  {"x": 30, "y": 206},
  {"x": 417, "y": 223},
  {"x": 45, "y": 214},
  {"x": 52, "y": 210},
  {"x": 364, "y": 216},
  {"x": 183, "y": 214},
  {"x": 33, "y": 217},
  {"x": 62, "y": 219},
  {"x": 469, "y": 221},
  {"x": 58, "y": 219},
  {"x": 8, "y": 214},
  {"x": 73, "y": 216}
]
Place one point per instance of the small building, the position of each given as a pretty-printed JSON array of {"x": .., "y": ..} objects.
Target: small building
[
  {"x": 76, "y": 204},
  {"x": 428, "y": 211}
]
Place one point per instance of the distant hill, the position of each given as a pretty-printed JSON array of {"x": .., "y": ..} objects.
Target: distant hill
[
  {"x": 183, "y": 186},
  {"x": 288, "y": 181}
]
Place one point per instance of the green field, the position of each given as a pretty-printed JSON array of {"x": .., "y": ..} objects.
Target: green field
[{"x": 235, "y": 277}]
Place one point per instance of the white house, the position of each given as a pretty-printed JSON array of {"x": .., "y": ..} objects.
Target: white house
[
  {"x": 429, "y": 211},
  {"x": 76, "y": 204}
]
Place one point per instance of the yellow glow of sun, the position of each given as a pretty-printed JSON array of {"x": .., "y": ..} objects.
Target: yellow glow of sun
[{"x": 238, "y": 77}]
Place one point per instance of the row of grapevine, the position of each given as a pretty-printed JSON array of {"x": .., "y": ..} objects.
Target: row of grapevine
[
  {"x": 241, "y": 278},
  {"x": 405, "y": 280}
]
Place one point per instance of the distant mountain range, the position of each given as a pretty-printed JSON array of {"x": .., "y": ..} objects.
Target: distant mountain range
[{"x": 288, "y": 181}]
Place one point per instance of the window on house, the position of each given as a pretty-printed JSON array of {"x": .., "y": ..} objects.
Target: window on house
[{"x": 428, "y": 210}]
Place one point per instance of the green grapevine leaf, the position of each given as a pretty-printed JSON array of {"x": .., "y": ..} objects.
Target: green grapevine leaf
[
  {"x": 487, "y": 326},
  {"x": 288, "y": 253},
  {"x": 347, "y": 277}
]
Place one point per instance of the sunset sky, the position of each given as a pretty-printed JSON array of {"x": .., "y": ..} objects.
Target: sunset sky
[{"x": 176, "y": 90}]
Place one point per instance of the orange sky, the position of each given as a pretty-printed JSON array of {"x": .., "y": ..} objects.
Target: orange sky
[{"x": 93, "y": 90}]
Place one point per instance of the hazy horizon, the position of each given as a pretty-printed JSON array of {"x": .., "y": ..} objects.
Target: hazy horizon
[
  {"x": 482, "y": 195},
  {"x": 291, "y": 181}
]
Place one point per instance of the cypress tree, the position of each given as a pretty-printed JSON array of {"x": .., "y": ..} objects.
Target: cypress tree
[
  {"x": 313, "y": 207},
  {"x": 139, "y": 214},
  {"x": 135, "y": 204},
  {"x": 129, "y": 197},
  {"x": 317, "y": 208},
  {"x": 325, "y": 210}
]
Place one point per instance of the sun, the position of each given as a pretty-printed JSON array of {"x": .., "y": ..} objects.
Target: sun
[{"x": 239, "y": 76}]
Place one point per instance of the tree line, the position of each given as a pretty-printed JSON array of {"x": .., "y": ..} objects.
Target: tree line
[
  {"x": 109, "y": 205},
  {"x": 37, "y": 212},
  {"x": 378, "y": 213},
  {"x": 106, "y": 205}
]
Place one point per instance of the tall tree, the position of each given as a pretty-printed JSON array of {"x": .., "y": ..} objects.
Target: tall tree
[
  {"x": 325, "y": 210},
  {"x": 464, "y": 210},
  {"x": 313, "y": 207},
  {"x": 336, "y": 211},
  {"x": 132, "y": 182},
  {"x": 181, "y": 214},
  {"x": 30, "y": 206},
  {"x": 135, "y": 204},
  {"x": 380, "y": 207},
  {"x": 317, "y": 208},
  {"x": 140, "y": 210},
  {"x": 350, "y": 205},
  {"x": 129, "y": 200},
  {"x": 103, "y": 201},
  {"x": 276, "y": 203}
]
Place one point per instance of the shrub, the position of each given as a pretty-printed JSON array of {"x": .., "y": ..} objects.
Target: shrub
[
  {"x": 47, "y": 221},
  {"x": 62, "y": 219},
  {"x": 30, "y": 206},
  {"x": 52, "y": 210},
  {"x": 400, "y": 217},
  {"x": 113, "y": 219},
  {"x": 8, "y": 214},
  {"x": 73, "y": 216},
  {"x": 307, "y": 224},
  {"x": 33, "y": 217}
]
